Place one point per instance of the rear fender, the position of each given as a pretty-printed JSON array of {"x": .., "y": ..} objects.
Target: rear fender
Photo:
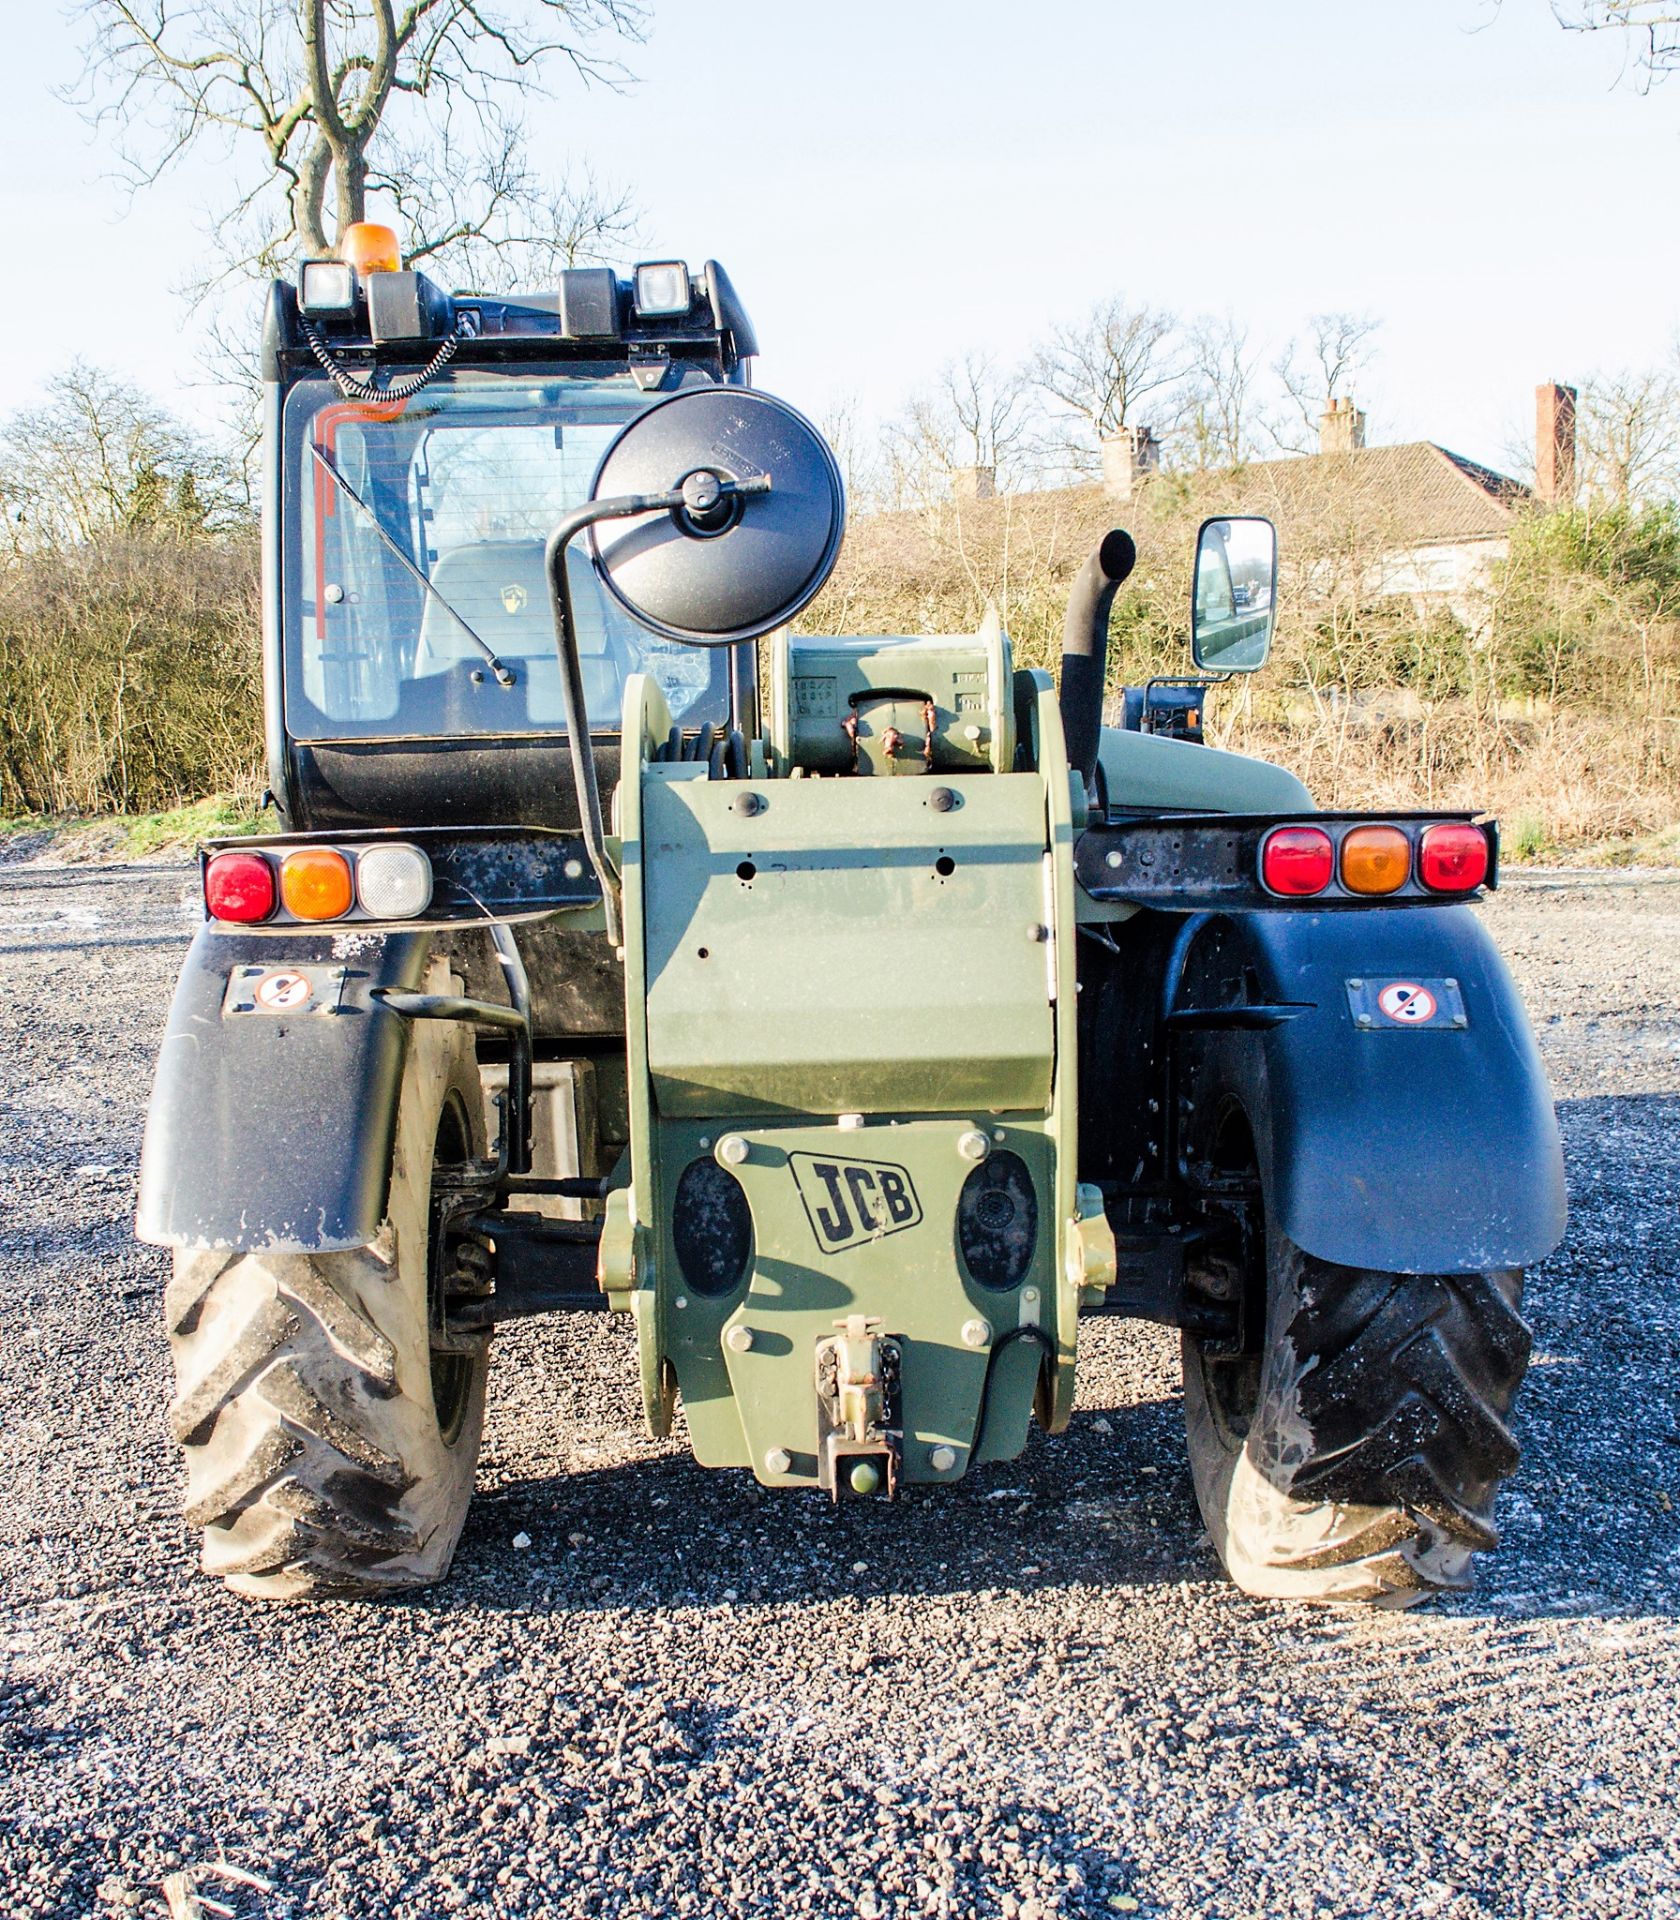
[
  {"x": 1389, "y": 1145},
  {"x": 272, "y": 1129}
]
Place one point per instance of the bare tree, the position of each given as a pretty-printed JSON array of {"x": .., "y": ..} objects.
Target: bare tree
[
  {"x": 1628, "y": 433},
  {"x": 1216, "y": 425},
  {"x": 319, "y": 102},
  {"x": 854, "y": 442},
  {"x": 513, "y": 229},
  {"x": 1651, "y": 29},
  {"x": 99, "y": 458},
  {"x": 1319, "y": 370},
  {"x": 975, "y": 415},
  {"x": 1100, "y": 368}
]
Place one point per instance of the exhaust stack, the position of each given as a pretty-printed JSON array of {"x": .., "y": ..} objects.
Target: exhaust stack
[{"x": 1085, "y": 646}]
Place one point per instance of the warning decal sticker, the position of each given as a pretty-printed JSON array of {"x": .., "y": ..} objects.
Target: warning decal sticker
[
  {"x": 282, "y": 992},
  {"x": 1407, "y": 1001},
  {"x": 1420, "y": 1005}
]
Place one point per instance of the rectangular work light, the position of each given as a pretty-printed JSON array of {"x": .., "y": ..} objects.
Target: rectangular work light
[
  {"x": 662, "y": 289},
  {"x": 326, "y": 286}
]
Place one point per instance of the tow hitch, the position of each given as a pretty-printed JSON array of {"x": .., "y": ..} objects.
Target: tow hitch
[{"x": 860, "y": 1419}]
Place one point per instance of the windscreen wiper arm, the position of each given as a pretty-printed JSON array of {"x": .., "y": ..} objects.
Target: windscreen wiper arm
[{"x": 504, "y": 674}]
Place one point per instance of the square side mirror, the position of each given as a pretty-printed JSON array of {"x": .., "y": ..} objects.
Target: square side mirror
[{"x": 1233, "y": 603}]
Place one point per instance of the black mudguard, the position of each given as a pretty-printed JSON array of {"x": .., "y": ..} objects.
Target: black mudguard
[
  {"x": 1408, "y": 1149},
  {"x": 273, "y": 1130}
]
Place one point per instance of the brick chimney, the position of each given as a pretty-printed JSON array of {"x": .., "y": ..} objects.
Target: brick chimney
[
  {"x": 974, "y": 483},
  {"x": 1127, "y": 457},
  {"x": 1341, "y": 428},
  {"x": 1554, "y": 443}
]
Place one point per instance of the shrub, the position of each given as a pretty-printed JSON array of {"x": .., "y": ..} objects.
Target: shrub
[{"x": 130, "y": 675}]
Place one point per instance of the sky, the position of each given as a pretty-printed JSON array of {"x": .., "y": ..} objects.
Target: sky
[{"x": 894, "y": 182}]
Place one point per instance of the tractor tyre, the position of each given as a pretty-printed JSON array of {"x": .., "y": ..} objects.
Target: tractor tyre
[
  {"x": 330, "y": 1434},
  {"x": 1355, "y": 1455}
]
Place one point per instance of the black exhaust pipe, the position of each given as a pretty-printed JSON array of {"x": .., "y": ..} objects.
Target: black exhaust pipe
[{"x": 1085, "y": 647}]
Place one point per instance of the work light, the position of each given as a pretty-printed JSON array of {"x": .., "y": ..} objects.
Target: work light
[
  {"x": 662, "y": 288},
  {"x": 327, "y": 286}
]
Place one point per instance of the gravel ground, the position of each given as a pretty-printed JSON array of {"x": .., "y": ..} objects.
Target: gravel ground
[{"x": 1032, "y": 1696}]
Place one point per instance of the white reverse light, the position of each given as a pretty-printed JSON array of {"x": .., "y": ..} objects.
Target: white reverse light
[
  {"x": 662, "y": 288},
  {"x": 394, "y": 883},
  {"x": 327, "y": 286}
]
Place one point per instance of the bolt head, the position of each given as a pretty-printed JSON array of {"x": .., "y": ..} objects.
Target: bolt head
[
  {"x": 701, "y": 491},
  {"x": 1113, "y": 859},
  {"x": 976, "y": 1333},
  {"x": 732, "y": 1149},
  {"x": 1029, "y": 1296},
  {"x": 778, "y": 1460},
  {"x": 865, "y": 1477},
  {"x": 748, "y": 804},
  {"x": 942, "y": 799},
  {"x": 739, "y": 1339},
  {"x": 973, "y": 1145},
  {"x": 942, "y": 1459}
]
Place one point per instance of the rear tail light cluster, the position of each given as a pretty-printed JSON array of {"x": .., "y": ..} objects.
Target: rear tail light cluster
[
  {"x": 313, "y": 884},
  {"x": 1453, "y": 859},
  {"x": 1374, "y": 859}
]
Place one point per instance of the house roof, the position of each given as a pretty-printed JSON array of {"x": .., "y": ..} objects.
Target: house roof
[{"x": 1422, "y": 494}]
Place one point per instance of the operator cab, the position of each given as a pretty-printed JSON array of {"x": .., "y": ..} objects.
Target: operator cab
[{"x": 409, "y": 635}]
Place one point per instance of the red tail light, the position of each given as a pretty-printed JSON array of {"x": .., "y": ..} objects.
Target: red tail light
[
  {"x": 1453, "y": 858},
  {"x": 239, "y": 886},
  {"x": 1297, "y": 860}
]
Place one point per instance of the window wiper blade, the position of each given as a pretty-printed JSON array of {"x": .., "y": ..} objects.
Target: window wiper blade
[{"x": 504, "y": 674}]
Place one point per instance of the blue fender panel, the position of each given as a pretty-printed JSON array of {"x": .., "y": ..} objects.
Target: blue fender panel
[
  {"x": 1408, "y": 1150},
  {"x": 274, "y": 1131}
]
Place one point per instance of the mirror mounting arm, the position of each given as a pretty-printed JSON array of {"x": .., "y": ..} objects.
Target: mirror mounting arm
[{"x": 622, "y": 507}]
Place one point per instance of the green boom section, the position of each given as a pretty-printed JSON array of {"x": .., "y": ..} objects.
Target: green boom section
[
  {"x": 852, "y": 994},
  {"x": 847, "y": 947}
]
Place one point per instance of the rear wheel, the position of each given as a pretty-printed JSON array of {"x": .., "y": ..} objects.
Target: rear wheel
[
  {"x": 1355, "y": 1453},
  {"x": 330, "y": 1430}
]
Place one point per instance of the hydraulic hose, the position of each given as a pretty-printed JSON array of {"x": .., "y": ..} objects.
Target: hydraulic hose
[
  {"x": 1085, "y": 647},
  {"x": 688, "y": 498}
]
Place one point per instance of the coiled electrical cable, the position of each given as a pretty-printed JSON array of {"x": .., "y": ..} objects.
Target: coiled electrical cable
[{"x": 351, "y": 387}]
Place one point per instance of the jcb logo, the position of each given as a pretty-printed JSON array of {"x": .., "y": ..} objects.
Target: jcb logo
[{"x": 851, "y": 1201}]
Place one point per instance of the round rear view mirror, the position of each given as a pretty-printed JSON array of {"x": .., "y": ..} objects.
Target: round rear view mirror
[{"x": 713, "y": 571}]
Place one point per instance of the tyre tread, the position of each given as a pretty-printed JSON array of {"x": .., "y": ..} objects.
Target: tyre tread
[{"x": 1399, "y": 1389}]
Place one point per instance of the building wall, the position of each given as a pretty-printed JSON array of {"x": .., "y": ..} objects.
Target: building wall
[{"x": 1455, "y": 573}]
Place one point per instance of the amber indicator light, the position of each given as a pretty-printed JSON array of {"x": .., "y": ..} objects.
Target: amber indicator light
[
  {"x": 1376, "y": 860},
  {"x": 315, "y": 884}
]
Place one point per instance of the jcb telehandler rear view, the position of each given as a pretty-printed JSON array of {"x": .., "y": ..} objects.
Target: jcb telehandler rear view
[{"x": 857, "y": 1031}]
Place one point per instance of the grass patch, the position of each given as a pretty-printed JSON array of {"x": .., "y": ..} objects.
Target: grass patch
[
  {"x": 1659, "y": 849},
  {"x": 221, "y": 817},
  {"x": 1525, "y": 838},
  {"x": 135, "y": 836}
]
